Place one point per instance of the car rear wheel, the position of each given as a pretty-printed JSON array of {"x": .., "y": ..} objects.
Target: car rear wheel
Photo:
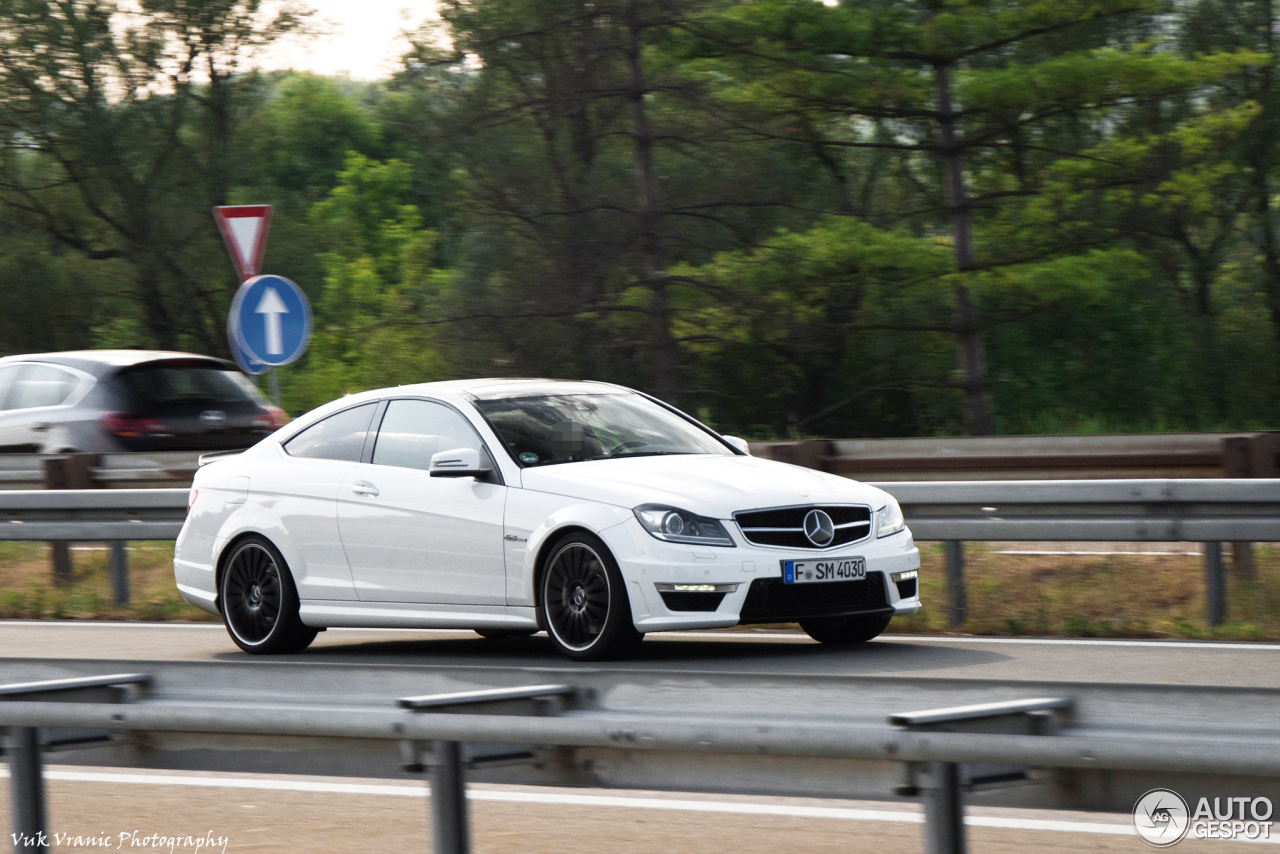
[
  {"x": 259, "y": 601},
  {"x": 847, "y": 630},
  {"x": 584, "y": 601}
]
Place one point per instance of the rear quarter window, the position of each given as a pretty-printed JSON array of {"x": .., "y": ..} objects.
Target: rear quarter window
[
  {"x": 40, "y": 385},
  {"x": 338, "y": 437}
]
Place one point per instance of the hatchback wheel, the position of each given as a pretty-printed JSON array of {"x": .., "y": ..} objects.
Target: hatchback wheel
[
  {"x": 847, "y": 630},
  {"x": 584, "y": 601},
  {"x": 260, "y": 602}
]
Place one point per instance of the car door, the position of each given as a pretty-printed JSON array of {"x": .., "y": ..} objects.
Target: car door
[
  {"x": 300, "y": 486},
  {"x": 413, "y": 538}
]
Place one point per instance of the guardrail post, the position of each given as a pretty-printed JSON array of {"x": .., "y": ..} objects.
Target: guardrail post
[
  {"x": 26, "y": 791},
  {"x": 120, "y": 572},
  {"x": 448, "y": 800},
  {"x": 69, "y": 472},
  {"x": 57, "y": 475},
  {"x": 957, "y": 598},
  {"x": 1215, "y": 585},
  {"x": 943, "y": 810}
]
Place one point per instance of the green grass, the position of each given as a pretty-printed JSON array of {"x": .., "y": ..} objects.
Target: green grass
[
  {"x": 1142, "y": 596},
  {"x": 1130, "y": 596},
  {"x": 27, "y": 590}
]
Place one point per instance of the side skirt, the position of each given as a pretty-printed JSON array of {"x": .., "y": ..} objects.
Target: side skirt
[{"x": 393, "y": 615}]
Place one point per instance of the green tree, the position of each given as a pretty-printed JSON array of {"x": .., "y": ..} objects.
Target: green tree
[
  {"x": 115, "y": 133},
  {"x": 378, "y": 286},
  {"x": 984, "y": 106}
]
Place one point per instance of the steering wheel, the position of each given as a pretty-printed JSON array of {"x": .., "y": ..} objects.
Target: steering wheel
[{"x": 626, "y": 445}]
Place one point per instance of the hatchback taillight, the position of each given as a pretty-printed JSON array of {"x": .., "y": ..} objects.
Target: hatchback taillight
[
  {"x": 127, "y": 425},
  {"x": 273, "y": 419}
]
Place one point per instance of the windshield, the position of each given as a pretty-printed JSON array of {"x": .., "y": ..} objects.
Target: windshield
[{"x": 569, "y": 428}]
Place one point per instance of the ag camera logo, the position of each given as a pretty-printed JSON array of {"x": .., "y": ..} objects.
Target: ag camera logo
[{"x": 1161, "y": 817}]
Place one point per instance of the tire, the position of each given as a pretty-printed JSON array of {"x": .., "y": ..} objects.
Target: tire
[
  {"x": 499, "y": 634},
  {"x": 584, "y": 603},
  {"x": 259, "y": 601},
  {"x": 847, "y": 630}
]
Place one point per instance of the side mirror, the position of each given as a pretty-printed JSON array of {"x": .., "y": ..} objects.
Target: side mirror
[
  {"x": 739, "y": 444},
  {"x": 460, "y": 462}
]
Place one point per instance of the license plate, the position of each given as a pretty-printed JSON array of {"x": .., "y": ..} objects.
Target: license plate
[{"x": 828, "y": 569}]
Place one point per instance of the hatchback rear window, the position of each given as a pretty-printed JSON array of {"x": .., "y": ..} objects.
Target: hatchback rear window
[{"x": 177, "y": 384}]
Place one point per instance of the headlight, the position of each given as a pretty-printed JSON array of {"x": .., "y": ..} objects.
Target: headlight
[
  {"x": 889, "y": 519},
  {"x": 680, "y": 526}
]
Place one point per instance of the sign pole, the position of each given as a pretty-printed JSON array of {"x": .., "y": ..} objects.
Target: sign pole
[{"x": 273, "y": 382}]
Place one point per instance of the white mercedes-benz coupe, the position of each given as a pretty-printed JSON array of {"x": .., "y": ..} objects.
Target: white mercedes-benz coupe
[{"x": 588, "y": 510}]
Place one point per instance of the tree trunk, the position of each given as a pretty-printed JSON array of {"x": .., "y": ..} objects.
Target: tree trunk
[
  {"x": 970, "y": 347},
  {"x": 1261, "y": 161},
  {"x": 665, "y": 381},
  {"x": 218, "y": 107}
]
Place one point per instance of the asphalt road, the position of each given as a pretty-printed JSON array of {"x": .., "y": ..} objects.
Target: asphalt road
[
  {"x": 740, "y": 652},
  {"x": 258, "y": 812}
]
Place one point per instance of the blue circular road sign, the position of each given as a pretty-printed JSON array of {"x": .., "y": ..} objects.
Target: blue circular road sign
[
  {"x": 247, "y": 363},
  {"x": 270, "y": 321}
]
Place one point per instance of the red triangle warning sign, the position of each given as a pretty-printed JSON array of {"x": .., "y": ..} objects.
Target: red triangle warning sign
[{"x": 244, "y": 229}]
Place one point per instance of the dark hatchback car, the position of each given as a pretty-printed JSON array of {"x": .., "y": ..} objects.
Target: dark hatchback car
[{"x": 105, "y": 401}]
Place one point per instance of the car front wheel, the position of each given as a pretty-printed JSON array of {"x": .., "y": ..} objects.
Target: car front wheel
[
  {"x": 584, "y": 601},
  {"x": 847, "y": 630},
  {"x": 260, "y": 602}
]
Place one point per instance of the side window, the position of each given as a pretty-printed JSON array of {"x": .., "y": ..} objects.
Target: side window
[
  {"x": 40, "y": 385},
  {"x": 413, "y": 430},
  {"x": 7, "y": 375},
  {"x": 338, "y": 437}
]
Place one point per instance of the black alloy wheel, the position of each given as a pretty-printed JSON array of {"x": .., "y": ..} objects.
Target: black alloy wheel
[
  {"x": 584, "y": 601},
  {"x": 259, "y": 601},
  {"x": 847, "y": 630}
]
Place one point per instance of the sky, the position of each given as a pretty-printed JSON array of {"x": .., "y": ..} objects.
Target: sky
[{"x": 365, "y": 38}]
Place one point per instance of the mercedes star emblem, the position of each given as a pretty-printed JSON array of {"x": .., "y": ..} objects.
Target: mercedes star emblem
[{"x": 819, "y": 528}]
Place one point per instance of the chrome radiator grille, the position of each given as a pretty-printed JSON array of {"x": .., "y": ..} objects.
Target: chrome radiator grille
[{"x": 785, "y": 526}]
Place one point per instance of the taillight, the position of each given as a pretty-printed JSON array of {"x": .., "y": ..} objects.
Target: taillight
[
  {"x": 191, "y": 498},
  {"x": 273, "y": 419},
  {"x": 126, "y": 425}
]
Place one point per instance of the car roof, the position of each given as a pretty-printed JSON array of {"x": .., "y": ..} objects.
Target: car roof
[
  {"x": 102, "y": 362},
  {"x": 499, "y": 387}
]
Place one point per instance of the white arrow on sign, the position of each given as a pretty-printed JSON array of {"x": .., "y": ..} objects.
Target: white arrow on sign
[{"x": 272, "y": 306}]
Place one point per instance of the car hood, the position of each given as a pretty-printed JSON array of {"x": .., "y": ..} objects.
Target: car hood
[{"x": 715, "y": 486}]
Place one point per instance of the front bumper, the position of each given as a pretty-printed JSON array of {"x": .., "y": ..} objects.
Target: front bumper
[{"x": 652, "y": 567}]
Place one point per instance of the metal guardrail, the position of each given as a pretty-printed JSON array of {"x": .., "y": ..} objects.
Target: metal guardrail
[
  {"x": 1207, "y": 511},
  {"x": 160, "y": 470},
  {"x": 1195, "y": 511},
  {"x": 1136, "y": 455},
  {"x": 936, "y": 751},
  {"x": 92, "y": 514}
]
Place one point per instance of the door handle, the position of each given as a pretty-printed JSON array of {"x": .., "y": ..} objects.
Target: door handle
[
  {"x": 363, "y": 487},
  {"x": 41, "y": 426}
]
